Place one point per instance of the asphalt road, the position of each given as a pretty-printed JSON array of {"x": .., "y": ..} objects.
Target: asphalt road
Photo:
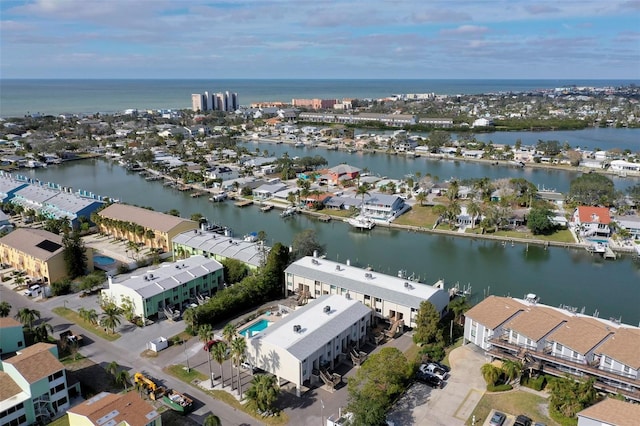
[{"x": 103, "y": 352}]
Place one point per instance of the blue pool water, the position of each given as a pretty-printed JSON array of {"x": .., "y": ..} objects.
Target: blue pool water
[
  {"x": 103, "y": 260},
  {"x": 598, "y": 240},
  {"x": 255, "y": 328}
]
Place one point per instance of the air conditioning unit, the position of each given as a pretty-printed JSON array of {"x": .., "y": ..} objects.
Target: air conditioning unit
[
  {"x": 297, "y": 328},
  {"x": 326, "y": 309},
  {"x": 406, "y": 284},
  {"x": 338, "y": 268}
]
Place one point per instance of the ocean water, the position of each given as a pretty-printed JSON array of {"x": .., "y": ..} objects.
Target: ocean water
[{"x": 22, "y": 97}]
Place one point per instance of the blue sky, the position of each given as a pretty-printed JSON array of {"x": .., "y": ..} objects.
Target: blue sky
[{"x": 511, "y": 39}]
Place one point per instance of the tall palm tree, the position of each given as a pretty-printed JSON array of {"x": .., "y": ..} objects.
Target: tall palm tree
[
  {"x": 229, "y": 332},
  {"x": 421, "y": 197},
  {"x": 511, "y": 369},
  {"x": 219, "y": 353},
  {"x": 112, "y": 368},
  {"x": 458, "y": 306},
  {"x": 263, "y": 392},
  {"x": 212, "y": 420},
  {"x": 5, "y": 309},
  {"x": 42, "y": 331},
  {"x": 491, "y": 374},
  {"x": 362, "y": 191},
  {"x": 110, "y": 316},
  {"x": 238, "y": 353},
  {"x": 205, "y": 333},
  {"x": 474, "y": 210},
  {"x": 27, "y": 317},
  {"x": 123, "y": 378}
]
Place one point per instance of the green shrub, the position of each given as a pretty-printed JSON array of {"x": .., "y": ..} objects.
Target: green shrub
[
  {"x": 433, "y": 351},
  {"x": 59, "y": 288},
  {"x": 499, "y": 388}
]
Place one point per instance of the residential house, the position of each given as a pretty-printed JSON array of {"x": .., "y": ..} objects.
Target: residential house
[
  {"x": 152, "y": 228},
  {"x": 392, "y": 298},
  {"x": 171, "y": 286},
  {"x": 610, "y": 412},
  {"x": 267, "y": 190},
  {"x": 622, "y": 167},
  {"x": 592, "y": 221},
  {"x": 342, "y": 172},
  {"x": 38, "y": 252},
  {"x": 300, "y": 346},
  {"x": 11, "y": 336},
  {"x": 486, "y": 319},
  {"x": 33, "y": 386},
  {"x": 630, "y": 223},
  {"x": 382, "y": 207},
  {"x": 106, "y": 408}
]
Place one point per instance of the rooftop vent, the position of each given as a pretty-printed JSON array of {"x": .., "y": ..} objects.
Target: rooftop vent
[
  {"x": 368, "y": 275},
  {"x": 326, "y": 309},
  {"x": 315, "y": 261},
  {"x": 338, "y": 268},
  {"x": 297, "y": 328}
]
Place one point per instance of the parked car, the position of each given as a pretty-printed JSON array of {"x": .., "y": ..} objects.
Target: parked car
[
  {"x": 497, "y": 419},
  {"x": 33, "y": 290},
  {"x": 248, "y": 366},
  {"x": 441, "y": 365},
  {"x": 434, "y": 370},
  {"x": 522, "y": 420},
  {"x": 429, "y": 379}
]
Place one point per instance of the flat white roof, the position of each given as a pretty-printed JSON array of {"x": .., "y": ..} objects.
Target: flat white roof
[
  {"x": 387, "y": 287},
  {"x": 316, "y": 326},
  {"x": 170, "y": 275}
]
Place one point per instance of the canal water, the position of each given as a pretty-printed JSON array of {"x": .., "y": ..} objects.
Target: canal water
[{"x": 559, "y": 276}]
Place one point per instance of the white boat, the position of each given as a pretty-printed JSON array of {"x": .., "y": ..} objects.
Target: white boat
[
  {"x": 597, "y": 248},
  {"x": 251, "y": 238},
  {"x": 361, "y": 222},
  {"x": 289, "y": 211},
  {"x": 221, "y": 196}
]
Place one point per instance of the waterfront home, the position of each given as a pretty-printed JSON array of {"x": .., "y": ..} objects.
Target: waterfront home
[
  {"x": 267, "y": 190},
  {"x": 221, "y": 172},
  {"x": 610, "y": 412},
  {"x": 301, "y": 346},
  {"x": 382, "y": 207},
  {"x": 342, "y": 172},
  {"x": 114, "y": 409},
  {"x": 219, "y": 247},
  {"x": 552, "y": 197},
  {"x": 630, "y": 223},
  {"x": 173, "y": 286},
  {"x": 591, "y": 221},
  {"x": 558, "y": 341},
  {"x": 152, "y": 228},
  {"x": 622, "y": 167},
  {"x": 392, "y": 298},
  {"x": 34, "y": 386},
  {"x": 38, "y": 252}
]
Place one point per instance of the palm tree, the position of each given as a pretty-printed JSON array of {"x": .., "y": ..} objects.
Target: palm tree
[
  {"x": 205, "y": 333},
  {"x": 122, "y": 378},
  {"x": 190, "y": 317},
  {"x": 212, "y": 420},
  {"x": 362, "y": 191},
  {"x": 238, "y": 350},
  {"x": 263, "y": 392},
  {"x": 5, "y": 309},
  {"x": 27, "y": 317},
  {"x": 219, "y": 353},
  {"x": 491, "y": 374},
  {"x": 229, "y": 332},
  {"x": 458, "y": 306},
  {"x": 110, "y": 316},
  {"x": 511, "y": 369},
  {"x": 474, "y": 210},
  {"x": 112, "y": 368},
  {"x": 41, "y": 332},
  {"x": 421, "y": 197}
]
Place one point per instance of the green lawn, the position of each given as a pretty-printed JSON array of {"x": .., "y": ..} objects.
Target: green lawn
[
  {"x": 179, "y": 372},
  {"x": 514, "y": 403},
  {"x": 421, "y": 216},
  {"x": 73, "y": 316}
]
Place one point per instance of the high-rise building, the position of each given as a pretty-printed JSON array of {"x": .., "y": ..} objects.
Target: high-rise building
[
  {"x": 198, "y": 102},
  {"x": 221, "y": 101}
]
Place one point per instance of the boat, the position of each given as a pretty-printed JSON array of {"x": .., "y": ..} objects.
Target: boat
[
  {"x": 597, "y": 248},
  {"x": 266, "y": 208},
  {"x": 361, "y": 222},
  {"x": 299, "y": 144},
  {"x": 251, "y": 238},
  {"x": 177, "y": 401},
  {"x": 289, "y": 211},
  {"x": 220, "y": 196}
]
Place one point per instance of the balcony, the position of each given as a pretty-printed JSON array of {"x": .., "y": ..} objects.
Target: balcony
[{"x": 547, "y": 358}]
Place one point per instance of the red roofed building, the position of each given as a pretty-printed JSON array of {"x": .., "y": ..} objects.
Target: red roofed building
[{"x": 592, "y": 221}]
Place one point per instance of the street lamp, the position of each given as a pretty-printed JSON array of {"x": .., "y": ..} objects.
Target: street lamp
[
  {"x": 321, "y": 412},
  {"x": 184, "y": 342}
]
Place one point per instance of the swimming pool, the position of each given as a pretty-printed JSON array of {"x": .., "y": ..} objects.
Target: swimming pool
[
  {"x": 598, "y": 240},
  {"x": 255, "y": 328},
  {"x": 103, "y": 260}
]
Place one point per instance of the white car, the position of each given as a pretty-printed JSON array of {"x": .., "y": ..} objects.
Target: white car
[
  {"x": 248, "y": 366},
  {"x": 434, "y": 370}
]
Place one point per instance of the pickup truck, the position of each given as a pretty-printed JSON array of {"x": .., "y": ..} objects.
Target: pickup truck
[
  {"x": 71, "y": 337},
  {"x": 434, "y": 370}
]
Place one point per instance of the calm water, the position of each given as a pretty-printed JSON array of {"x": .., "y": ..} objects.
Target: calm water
[
  {"x": 398, "y": 166},
  {"x": 558, "y": 276},
  {"x": 20, "y": 97}
]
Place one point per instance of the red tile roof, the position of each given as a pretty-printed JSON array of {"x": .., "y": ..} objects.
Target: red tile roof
[{"x": 588, "y": 214}]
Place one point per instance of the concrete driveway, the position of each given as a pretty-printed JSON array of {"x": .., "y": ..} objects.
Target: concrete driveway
[{"x": 451, "y": 405}]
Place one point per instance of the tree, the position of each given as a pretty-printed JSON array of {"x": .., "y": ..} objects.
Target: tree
[
  {"x": 490, "y": 373},
  {"x": 229, "y": 332},
  {"x": 42, "y": 331},
  {"x": 437, "y": 139},
  {"x": 123, "y": 378},
  {"x": 592, "y": 189},
  {"x": 426, "y": 323},
  {"x": 305, "y": 243},
  {"x": 234, "y": 270},
  {"x": 473, "y": 209},
  {"x": 421, "y": 197},
  {"x": 376, "y": 384},
  {"x": 263, "y": 392},
  {"x": 362, "y": 191},
  {"x": 511, "y": 369},
  {"x": 539, "y": 223},
  {"x": 634, "y": 193},
  {"x": 112, "y": 368},
  {"x": 212, "y": 420},
  {"x": 89, "y": 315},
  {"x": 219, "y": 354},
  {"x": 458, "y": 306},
  {"x": 238, "y": 354},
  {"x": 111, "y": 313},
  {"x": 75, "y": 256},
  {"x": 205, "y": 333},
  {"x": 5, "y": 309},
  {"x": 27, "y": 317},
  {"x": 568, "y": 396}
]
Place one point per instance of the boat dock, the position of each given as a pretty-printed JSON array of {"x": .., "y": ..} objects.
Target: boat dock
[
  {"x": 609, "y": 254},
  {"x": 243, "y": 203},
  {"x": 324, "y": 218},
  {"x": 197, "y": 194}
]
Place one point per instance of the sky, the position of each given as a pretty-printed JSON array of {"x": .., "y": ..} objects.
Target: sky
[{"x": 398, "y": 39}]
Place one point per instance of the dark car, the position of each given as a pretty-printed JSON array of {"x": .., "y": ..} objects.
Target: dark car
[
  {"x": 522, "y": 420},
  {"x": 429, "y": 379},
  {"x": 497, "y": 419}
]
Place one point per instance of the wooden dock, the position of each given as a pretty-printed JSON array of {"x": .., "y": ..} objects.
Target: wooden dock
[
  {"x": 324, "y": 218},
  {"x": 243, "y": 203},
  {"x": 609, "y": 254}
]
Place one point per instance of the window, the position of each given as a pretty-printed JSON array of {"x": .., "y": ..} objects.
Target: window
[
  {"x": 367, "y": 297},
  {"x": 378, "y": 300},
  {"x": 559, "y": 347},
  {"x": 607, "y": 361},
  {"x": 62, "y": 401}
]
